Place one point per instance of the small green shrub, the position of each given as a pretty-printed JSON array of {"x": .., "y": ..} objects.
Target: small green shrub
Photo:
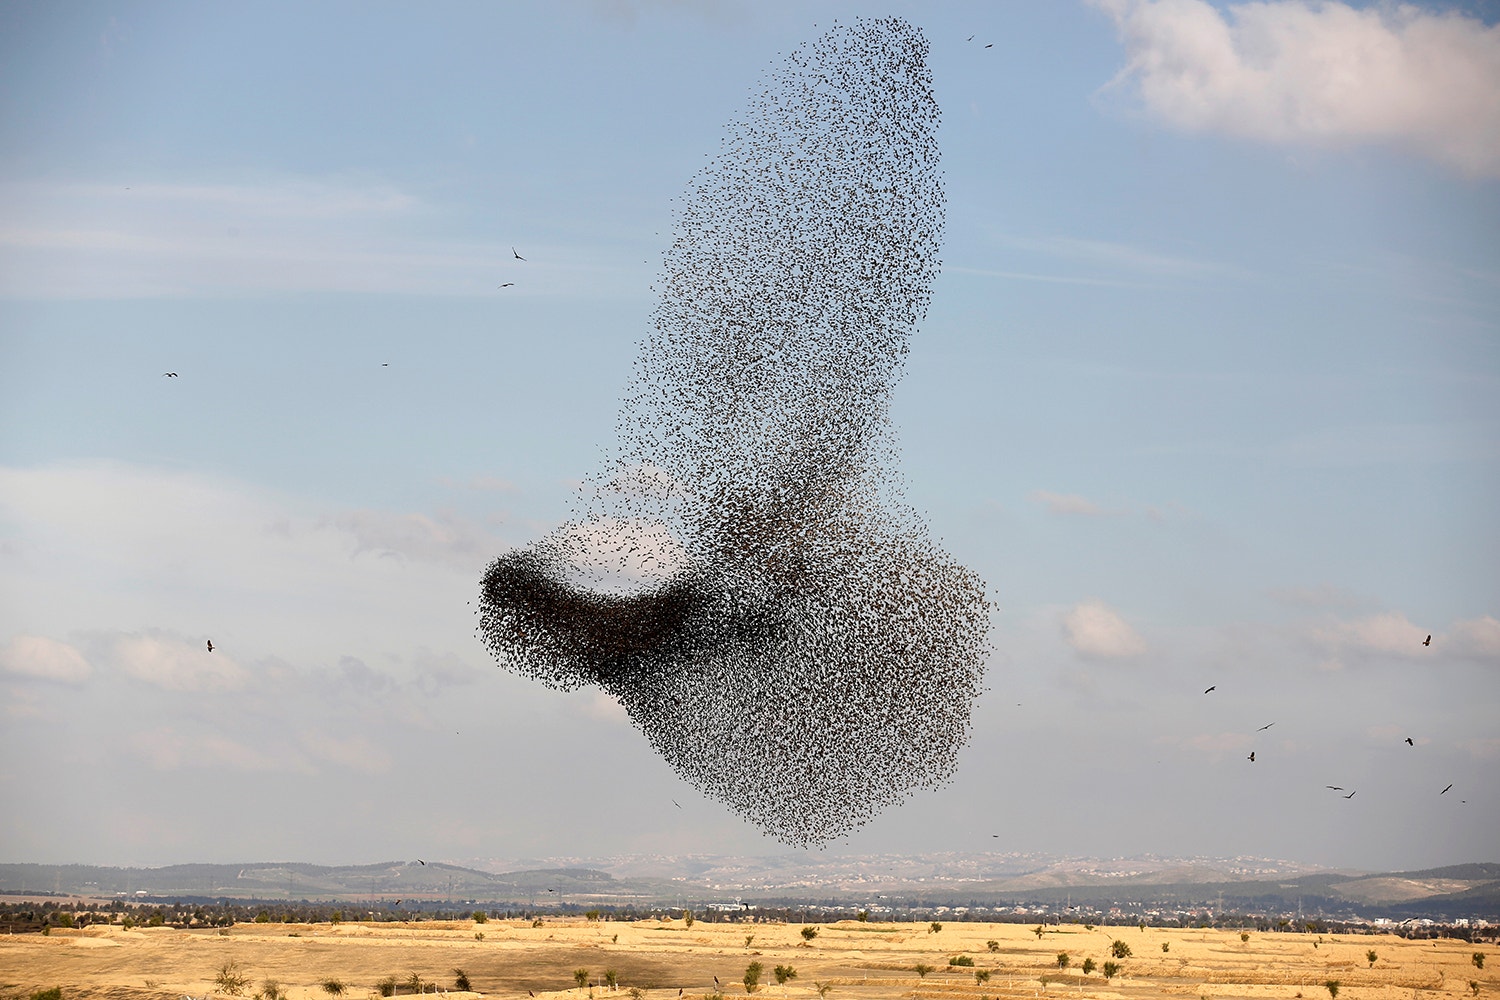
[
  {"x": 963, "y": 960},
  {"x": 1062, "y": 960},
  {"x": 333, "y": 987},
  {"x": 752, "y": 976},
  {"x": 934, "y": 927},
  {"x": 1478, "y": 959},
  {"x": 461, "y": 980},
  {"x": 581, "y": 977},
  {"x": 1110, "y": 970},
  {"x": 1088, "y": 966},
  {"x": 748, "y": 939},
  {"x": 808, "y": 933},
  {"x": 981, "y": 976},
  {"x": 479, "y": 916},
  {"x": 537, "y": 922},
  {"x": 783, "y": 973},
  {"x": 687, "y": 918},
  {"x": 230, "y": 979},
  {"x": 1120, "y": 949},
  {"x": 921, "y": 969},
  {"x": 611, "y": 978},
  {"x": 387, "y": 986},
  {"x": 1244, "y": 936},
  {"x": 1166, "y": 946},
  {"x": 55, "y": 993},
  {"x": 1332, "y": 986},
  {"x": 1039, "y": 930},
  {"x": 862, "y": 916},
  {"x": 592, "y": 916},
  {"x": 479, "y": 935},
  {"x": 271, "y": 990},
  {"x": 992, "y": 945},
  {"x": 1371, "y": 957}
]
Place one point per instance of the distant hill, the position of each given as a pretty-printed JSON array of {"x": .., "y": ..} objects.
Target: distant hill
[{"x": 1133, "y": 884}]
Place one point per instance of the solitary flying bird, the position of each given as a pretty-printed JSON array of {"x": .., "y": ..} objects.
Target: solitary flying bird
[
  {"x": 421, "y": 862},
  {"x": 1409, "y": 742},
  {"x": 169, "y": 374},
  {"x": 1427, "y": 641},
  {"x": 516, "y": 255},
  {"x": 1251, "y": 758},
  {"x": 1351, "y": 794},
  {"x": 1336, "y": 788},
  {"x": 1265, "y": 727},
  {"x": 210, "y": 645},
  {"x": 1445, "y": 791},
  {"x": 1211, "y": 688},
  {"x": 507, "y": 284}
]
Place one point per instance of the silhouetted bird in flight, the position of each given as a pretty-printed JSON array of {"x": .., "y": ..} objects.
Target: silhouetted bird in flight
[
  {"x": 1336, "y": 788},
  {"x": 421, "y": 862},
  {"x": 716, "y": 980},
  {"x": 1251, "y": 758},
  {"x": 1445, "y": 791},
  {"x": 1211, "y": 688},
  {"x": 990, "y": 46},
  {"x": 507, "y": 284},
  {"x": 168, "y": 374},
  {"x": 1409, "y": 742},
  {"x": 516, "y": 255},
  {"x": 674, "y": 802},
  {"x": 396, "y": 903},
  {"x": 1427, "y": 641},
  {"x": 969, "y": 39},
  {"x": 1351, "y": 794},
  {"x": 210, "y": 645},
  {"x": 1265, "y": 727}
]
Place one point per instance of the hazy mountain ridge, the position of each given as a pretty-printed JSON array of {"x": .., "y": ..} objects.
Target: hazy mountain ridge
[{"x": 1220, "y": 884}]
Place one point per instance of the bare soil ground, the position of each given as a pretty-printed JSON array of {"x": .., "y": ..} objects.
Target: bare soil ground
[{"x": 859, "y": 961}]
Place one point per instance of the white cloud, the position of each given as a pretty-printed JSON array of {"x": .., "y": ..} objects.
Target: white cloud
[
  {"x": 1319, "y": 72},
  {"x": 1066, "y": 503},
  {"x": 1475, "y": 639},
  {"x": 1096, "y": 630},
  {"x": 177, "y": 664},
  {"x": 48, "y": 659},
  {"x": 1385, "y": 634}
]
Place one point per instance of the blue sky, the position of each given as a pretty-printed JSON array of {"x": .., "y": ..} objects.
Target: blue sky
[{"x": 1209, "y": 393}]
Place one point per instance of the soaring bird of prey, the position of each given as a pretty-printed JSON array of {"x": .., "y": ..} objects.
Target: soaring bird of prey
[
  {"x": 1351, "y": 794},
  {"x": 516, "y": 255},
  {"x": 1251, "y": 758},
  {"x": 507, "y": 284},
  {"x": 421, "y": 862},
  {"x": 1445, "y": 791},
  {"x": 168, "y": 374},
  {"x": 1409, "y": 742},
  {"x": 1427, "y": 641},
  {"x": 1211, "y": 688},
  {"x": 210, "y": 645},
  {"x": 1336, "y": 788},
  {"x": 1265, "y": 727}
]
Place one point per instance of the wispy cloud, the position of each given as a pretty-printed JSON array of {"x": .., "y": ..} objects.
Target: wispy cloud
[
  {"x": 42, "y": 658},
  {"x": 1066, "y": 503},
  {"x": 1316, "y": 71},
  {"x": 291, "y": 235},
  {"x": 1097, "y": 631}
]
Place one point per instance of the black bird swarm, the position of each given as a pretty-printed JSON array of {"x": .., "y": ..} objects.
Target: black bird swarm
[{"x": 745, "y": 575}]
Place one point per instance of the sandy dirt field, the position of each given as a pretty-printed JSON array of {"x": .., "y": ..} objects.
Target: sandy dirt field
[{"x": 858, "y": 961}]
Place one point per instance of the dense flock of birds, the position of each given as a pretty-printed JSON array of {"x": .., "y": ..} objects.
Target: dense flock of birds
[{"x": 745, "y": 576}]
